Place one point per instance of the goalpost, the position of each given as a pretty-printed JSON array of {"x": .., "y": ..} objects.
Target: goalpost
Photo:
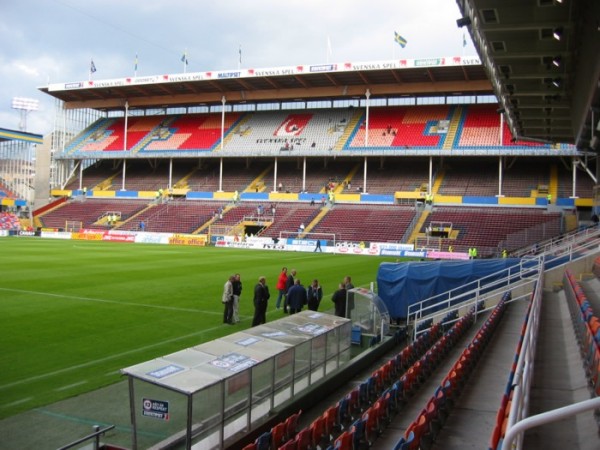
[
  {"x": 309, "y": 235},
  {"x": 73, "y": 225}
]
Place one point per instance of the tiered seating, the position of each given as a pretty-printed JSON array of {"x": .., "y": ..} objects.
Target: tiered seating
[
  {"x": 93, "y": 175},
  {"x": 424, "y": 428},
  {"x": 406, "y": 176},
  {"x": 285, "y": 131},
  {"x": 175, "y": 217},
  {"x": 356, "y": 420},
  {"x": 487, "y": 228},
  {"x": 281, "y": 436},
  {"x": 141, "y": 176},
  {"x": 373, "y": 223},
  {"x": 288, "y": 216},
  {"x": 89, "y": 211},
  {"x": 481, "y": 128},
  {"x": 584, "y": 186},
  {"x": 504, "y": 409},
  {"x": 470, "y": 177},
  {"x": 525, "y": 176},
  {"x": 112, "y": 138},
  {"x": 234, "y": 215},
  {"x": 9, "y": 221},
  {"x": 237, "y": 176},
  {"x": 586, "y": 323},
  {"x": 190, "y": 132},
  {"x": 413, "y": 126}
]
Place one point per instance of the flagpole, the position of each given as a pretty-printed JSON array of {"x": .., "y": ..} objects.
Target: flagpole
[
  {"x": 136, "y": 65},
  {"x": 92, "y": 69},
  {"x": 240, "y": 60}
]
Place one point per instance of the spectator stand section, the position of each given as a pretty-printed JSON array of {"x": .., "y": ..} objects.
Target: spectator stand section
[{"x": 215, "y": 394}]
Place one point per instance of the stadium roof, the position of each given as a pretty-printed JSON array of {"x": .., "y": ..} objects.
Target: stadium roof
[
  {"x": 543, "y": 58},
  {"x": 431, "y": 76},
  {"x": 12, "y": 135}
]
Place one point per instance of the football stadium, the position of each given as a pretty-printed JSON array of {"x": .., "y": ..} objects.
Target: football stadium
[{"x": 436, "y": 220}]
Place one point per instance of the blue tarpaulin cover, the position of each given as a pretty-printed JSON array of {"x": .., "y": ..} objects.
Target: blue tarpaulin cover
[{"x": 402, "y": 284}]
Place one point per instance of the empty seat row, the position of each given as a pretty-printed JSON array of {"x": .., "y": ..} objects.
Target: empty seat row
[{"x": 422, "y": 431}]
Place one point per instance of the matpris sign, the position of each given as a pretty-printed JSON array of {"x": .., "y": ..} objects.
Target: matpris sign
[{"x": 156, "y": 409}]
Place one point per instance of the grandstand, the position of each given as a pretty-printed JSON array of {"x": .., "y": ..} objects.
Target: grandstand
[{"x": 378, "y": 169}]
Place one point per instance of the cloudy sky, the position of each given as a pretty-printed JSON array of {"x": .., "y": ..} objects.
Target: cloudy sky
[{"x": 51, "y": 41}]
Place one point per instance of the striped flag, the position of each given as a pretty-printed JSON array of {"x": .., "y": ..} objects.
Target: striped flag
[{"x": 400, "y": 40}]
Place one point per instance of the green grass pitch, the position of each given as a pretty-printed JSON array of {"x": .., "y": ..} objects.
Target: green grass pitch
[{"x": 73, "y": 313}]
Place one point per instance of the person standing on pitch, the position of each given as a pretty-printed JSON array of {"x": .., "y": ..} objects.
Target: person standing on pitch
[
  {"x": 314, "y": 294},
  {"x": 348, "y": 285},
  {"x": 261, "y": 299},
  {"x": 339, "y": 300},
  {"x": 288, "y": 285},
  {"x": 281, "y": 282},
  {"x": 237, "y": 292},
  {"x": 227, "y": 300},
  {"x": 296, "y": 297}
]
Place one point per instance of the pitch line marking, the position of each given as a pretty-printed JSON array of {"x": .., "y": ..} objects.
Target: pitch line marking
[
  {"x": 107, "y": 358},
  {"x": 69, "y": 386},
  {"x": 101, "y": 300}
]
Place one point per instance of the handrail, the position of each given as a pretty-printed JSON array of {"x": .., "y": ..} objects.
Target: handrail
[
  {"x": 548, "y": 417},
  {"x": 529, "y": 267},
  {"x": 514, "y": 273},
  {"x": 524, "y": 367},
  {"x": 96, "y": 434},
  {"x": 529, "y": 270}
]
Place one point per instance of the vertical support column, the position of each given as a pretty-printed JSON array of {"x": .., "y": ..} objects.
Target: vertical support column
[
  {"x": 134, "y": 445},
  {"x": 430, "y": 182},
  {"x": 222, "y": 120},
  {"x": 275, "y": 176},
  {"x": 124, "y": 173},
  {"x": 365, "y": 176},
  {"x": 221, "y": 174},
  {"x": 170, "y": 185},
  {"x": 574, "y": 190},
  {"x": 368, "y": 95},
  {"x": 304, "y": 174},
  {"x": 125, "y": 126},
  {"x": 500, "y": 176}
]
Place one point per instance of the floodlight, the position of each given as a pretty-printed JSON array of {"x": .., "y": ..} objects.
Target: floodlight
[
  {"x": 557, "y": 82},
  {"x": 557, "y": 61},
  {"x": 25, "y": 105},
  {"x": 558, "y": 33}
]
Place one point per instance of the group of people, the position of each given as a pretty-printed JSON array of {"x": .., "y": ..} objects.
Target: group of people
[{"x": 292, "y": 296}]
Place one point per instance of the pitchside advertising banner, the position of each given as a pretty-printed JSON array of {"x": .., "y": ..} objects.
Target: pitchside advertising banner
[{"x": 397, "y": 250}]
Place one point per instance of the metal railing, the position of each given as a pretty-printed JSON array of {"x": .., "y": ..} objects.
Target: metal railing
[
  {"x": 95, "y": 436},
  {"x": 531, "y": 270}
]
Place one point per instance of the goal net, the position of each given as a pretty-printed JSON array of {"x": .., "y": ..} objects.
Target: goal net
[{"x": 73, "y": 225}]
